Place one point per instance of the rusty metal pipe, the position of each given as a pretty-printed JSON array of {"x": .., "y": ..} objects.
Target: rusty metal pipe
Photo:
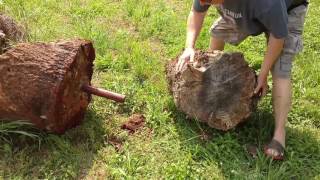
[{"x": 103, "y": 93}]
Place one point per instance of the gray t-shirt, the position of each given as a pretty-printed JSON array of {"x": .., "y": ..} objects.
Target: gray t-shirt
[{"x": 254, "y": 16}]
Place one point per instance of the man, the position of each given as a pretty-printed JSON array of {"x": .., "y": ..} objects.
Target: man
[{"x": 282, "y": 22}]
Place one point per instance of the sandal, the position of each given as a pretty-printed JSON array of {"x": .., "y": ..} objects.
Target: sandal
[{"x": 277, "y": 150}]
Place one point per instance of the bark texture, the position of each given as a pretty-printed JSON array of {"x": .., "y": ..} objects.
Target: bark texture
[
  {"x": 10, "y": 32},
  {"x": 42, "y": 82},
  {"x": 217, "y": 88}
]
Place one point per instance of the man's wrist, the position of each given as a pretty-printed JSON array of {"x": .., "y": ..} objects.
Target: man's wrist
[
  {"x": 191, "y": 41},
  {"x": 264, "y": 73},
  {"x": 189, "y": 47}
]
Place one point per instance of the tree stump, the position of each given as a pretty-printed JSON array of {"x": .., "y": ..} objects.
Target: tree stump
[
  {"x": 10, "y": 32},
  {"x": 217, "y": 88},
  {"x": 43, "y": 82}
]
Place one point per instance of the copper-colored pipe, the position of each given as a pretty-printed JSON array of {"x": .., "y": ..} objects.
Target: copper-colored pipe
[{"x": 103, "y": 93}]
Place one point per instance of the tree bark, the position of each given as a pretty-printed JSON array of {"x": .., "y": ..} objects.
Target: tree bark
[
  {"x": 42, "y": 83},
  {"x": 217, "y": 88}
]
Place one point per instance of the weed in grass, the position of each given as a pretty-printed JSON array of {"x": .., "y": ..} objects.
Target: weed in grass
[{"x": 8, "y": 129}]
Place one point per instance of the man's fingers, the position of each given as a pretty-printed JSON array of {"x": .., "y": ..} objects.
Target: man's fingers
[
  {"x": 260, "y": 91},
  {"x": 179, "y": 64},
  {"x": 192, "y": 57},
  {"x": 187, "y": 55},
  {"x": 257, "y": 89}
]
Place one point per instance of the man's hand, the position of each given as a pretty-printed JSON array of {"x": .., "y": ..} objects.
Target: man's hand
[
  {"x": 187, "y": 55},
  {"x": 194, "y": 25},
  {"x": 274, "y": 49},
  {"x": 262, "y": 86}
]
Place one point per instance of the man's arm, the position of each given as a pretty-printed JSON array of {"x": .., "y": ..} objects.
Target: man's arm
[
  {"x": 194, "y": 25},
  {"x": 274, "y": 49}
]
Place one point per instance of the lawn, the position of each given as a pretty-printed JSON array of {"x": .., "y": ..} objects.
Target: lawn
[{"x": 133, "y": 41}]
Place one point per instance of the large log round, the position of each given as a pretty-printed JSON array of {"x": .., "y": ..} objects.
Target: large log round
[
  {"x": 217, "y": 88},
  {"x": 42, "y": 83}
]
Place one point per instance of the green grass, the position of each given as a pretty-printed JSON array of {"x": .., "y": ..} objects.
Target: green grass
[
  {"x": 9, "y": 129},
  {"x": 134, "y": 39}
]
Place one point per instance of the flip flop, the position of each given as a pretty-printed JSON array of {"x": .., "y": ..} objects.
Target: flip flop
[{"x": 277, "y": 147}]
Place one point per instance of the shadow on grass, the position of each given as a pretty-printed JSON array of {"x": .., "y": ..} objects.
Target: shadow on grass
[
  {"x": 227, "y": 149},
  {"x": 65, "y": 156}
]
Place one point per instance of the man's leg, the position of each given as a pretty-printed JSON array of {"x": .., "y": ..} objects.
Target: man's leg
[
  {"x": 216, "y": 44},
  {"x": 281, "y": 101},
  {"x": 281, "y": 75},
  {"x": 224, "y": 32}
]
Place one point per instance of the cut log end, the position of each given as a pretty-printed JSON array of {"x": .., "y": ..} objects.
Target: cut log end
[
  {"x": 217, "y": 88},
  {"x": 49, "y": 83},
  {"x": 42, "y": 83}
]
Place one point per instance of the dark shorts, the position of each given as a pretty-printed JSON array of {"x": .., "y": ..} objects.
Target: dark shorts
[{"x": 222, "y": 29}]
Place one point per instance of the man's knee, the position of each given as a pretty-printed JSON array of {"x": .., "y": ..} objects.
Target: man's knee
[
  {"x": 227, "y": 32},
  {"x": 216, "y": 44},
  {"x": 283, "y": 66},
  {"x": 292, "y": 46}
]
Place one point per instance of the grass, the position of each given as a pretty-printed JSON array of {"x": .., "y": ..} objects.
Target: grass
[
  {"x": 8, "y": 129},
  {"x": 134, "y": 39}
]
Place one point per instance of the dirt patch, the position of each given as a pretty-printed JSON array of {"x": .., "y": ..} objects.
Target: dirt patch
[
  {"x": 116, "y": 142},
  {"x": 252, "y": 150},
  {"x": 205, "y": 136},
  {"x": 134, "y": 123}
]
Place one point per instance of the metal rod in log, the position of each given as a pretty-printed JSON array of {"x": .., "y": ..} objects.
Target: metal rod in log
[{"x": 103, "y": 93}]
